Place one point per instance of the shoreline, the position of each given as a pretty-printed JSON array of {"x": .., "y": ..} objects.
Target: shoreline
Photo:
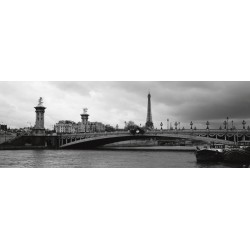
[
  {"x": 23, "y": 148},
  {"x": 143, "y": 148},
  {"x": 153, "y": 148}
]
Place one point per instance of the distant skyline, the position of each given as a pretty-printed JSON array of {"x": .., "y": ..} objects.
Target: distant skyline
[{"x": 116, "y": 102}]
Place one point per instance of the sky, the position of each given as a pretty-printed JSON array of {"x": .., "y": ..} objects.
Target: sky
[{"x": 116, "y": 102}]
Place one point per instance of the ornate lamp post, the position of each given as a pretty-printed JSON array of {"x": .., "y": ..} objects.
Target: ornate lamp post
[
  {"x": 168, "y": 123},
  {"x": 161, "y": 125},
  {"x": 244, "y": 124},
  {"x": 191, "y": 124},
  {"x": 232, "y": 125},
  {"x": 225, "y": 124},
  {"x": 207, "y": 123}
]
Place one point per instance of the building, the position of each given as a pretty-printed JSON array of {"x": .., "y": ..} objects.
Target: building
[
  {"x": 65, "y": 127},
  {"x": 96, "y": 127},
  {"x": 3, "y": 127},
  {"x": 85, "y": 126}
]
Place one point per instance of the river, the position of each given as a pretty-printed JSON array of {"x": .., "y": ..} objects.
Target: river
[{"x": 101, "y": 159}]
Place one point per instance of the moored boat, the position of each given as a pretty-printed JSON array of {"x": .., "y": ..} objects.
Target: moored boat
[
  {"x": 237, "y": 155},
  {"x": 214, "y": 153}
]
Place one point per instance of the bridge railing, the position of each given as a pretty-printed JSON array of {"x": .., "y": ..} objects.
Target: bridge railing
[
  {"x": 165, "y": 131},
  {"x": 97, "y": 134},
  {"x": 197, "y": 131}
]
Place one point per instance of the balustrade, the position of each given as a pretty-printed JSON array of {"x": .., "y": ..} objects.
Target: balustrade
[{"x": 209, "y": 134}]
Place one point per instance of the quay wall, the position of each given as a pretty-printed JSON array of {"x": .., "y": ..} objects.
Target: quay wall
[
  {"x": 4, "y": 138},
  {"x": 31, "y": 142}
]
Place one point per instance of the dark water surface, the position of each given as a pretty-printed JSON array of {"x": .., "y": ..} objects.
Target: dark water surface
[{"x": 101, "y": 159}]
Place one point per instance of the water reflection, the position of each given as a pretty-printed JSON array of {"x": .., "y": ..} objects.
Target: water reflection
[
  {"x": 104, "y": 159},
  {"x": 221, "y": 165}
]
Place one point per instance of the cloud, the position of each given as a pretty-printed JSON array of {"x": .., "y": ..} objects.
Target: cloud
[{"x": 116, "y": 102}]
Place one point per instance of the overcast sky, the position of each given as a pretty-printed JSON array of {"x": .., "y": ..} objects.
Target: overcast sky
[{"x": 116, "y": 102}]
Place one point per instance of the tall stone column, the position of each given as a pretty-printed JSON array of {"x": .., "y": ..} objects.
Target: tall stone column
[
  {"x": 85, "y": 118},
  {"x": 149, "y": 121},
  {"x": 39, "y": 125}
]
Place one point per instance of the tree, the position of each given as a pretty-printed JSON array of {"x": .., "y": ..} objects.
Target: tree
[
  {"x": 130, "y": 125},
  {"x": 109, "y": 128},
  {"x": 137, "y": 131}
]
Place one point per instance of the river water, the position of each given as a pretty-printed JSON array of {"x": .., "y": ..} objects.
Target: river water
[{"x": 101, "y": 159}]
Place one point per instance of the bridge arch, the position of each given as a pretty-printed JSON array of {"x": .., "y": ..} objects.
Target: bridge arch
[{"x": 96, "y": 141}]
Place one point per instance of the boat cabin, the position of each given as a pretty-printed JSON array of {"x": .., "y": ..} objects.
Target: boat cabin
[{"x": 217, "y": 146}]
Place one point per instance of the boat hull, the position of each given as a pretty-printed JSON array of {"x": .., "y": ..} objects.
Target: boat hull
[
  {"x": 236, "y": 155},
  {"x": 209, "y": 156}
]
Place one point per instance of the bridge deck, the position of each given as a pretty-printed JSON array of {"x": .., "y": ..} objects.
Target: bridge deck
[{"x": 217, "y": 136}]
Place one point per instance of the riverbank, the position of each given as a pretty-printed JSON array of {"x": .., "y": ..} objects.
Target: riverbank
[
  {"x": 148, "y": 148},
  {"x": 6, "y": 137},
  {"x": 154, "y": 148},
  {"x": 22, "y": 147}
]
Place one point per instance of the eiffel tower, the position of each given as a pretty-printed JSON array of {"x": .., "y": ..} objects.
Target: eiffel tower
[{"x": 149, "y": 122}]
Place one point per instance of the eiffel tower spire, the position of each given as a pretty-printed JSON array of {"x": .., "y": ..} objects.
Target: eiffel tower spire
[{"x": 149, "y": 121}]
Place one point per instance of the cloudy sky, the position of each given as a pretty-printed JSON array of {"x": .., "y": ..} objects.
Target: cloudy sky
[{"x": 116, "y": 102}]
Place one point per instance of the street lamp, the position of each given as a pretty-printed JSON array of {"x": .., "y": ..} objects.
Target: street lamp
[
  {"x": 168, "y": 123},
  {"x": 207, "y": 123},
  {"x": 191, "y": 124},
  {"x": 244, "y": 124},
  {"x": 232, "y": 124},
  {"x": 161, "y": 125},
  {"x": 227, "y": 122}
]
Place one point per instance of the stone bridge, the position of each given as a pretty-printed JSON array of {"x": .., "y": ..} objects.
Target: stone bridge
[{"x": 92, "y": 140}]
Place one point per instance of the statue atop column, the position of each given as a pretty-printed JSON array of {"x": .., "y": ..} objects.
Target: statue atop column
[
  {"x": 85, "y": 111},
  {"x": 40, "y": 101}
]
